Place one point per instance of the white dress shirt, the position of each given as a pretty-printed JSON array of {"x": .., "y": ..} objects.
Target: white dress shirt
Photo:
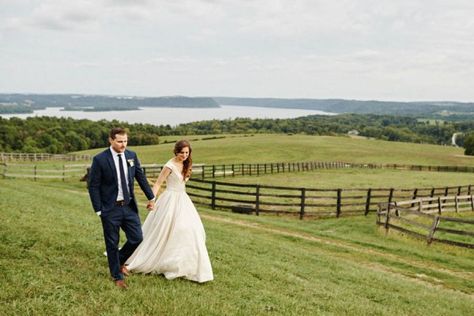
[{"x": 125, "y": 169}]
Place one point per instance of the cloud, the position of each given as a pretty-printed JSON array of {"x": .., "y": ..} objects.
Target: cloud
[{"x": 294, "y": 47}]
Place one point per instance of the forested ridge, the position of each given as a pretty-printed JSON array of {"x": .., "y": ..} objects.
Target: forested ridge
[
  {"x": 27, "y": 103},
  {"x": 63, "y": 135}
]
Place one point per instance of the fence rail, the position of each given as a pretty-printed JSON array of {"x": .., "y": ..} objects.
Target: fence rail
[
  {"x": 306, "y": 202},
  {"x": 255, "y": 169},
  {"x": 423, "y": 218},
  {"x": 6, "y": 157},
  {"x": 251, "y": 198},
  {"x": 36, "y": 172}
]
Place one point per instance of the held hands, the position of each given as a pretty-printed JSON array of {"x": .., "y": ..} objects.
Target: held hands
[{"x": 150, "y": 204}]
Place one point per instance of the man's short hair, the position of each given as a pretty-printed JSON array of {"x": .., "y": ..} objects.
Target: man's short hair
[{"x": 117, "y": 130}]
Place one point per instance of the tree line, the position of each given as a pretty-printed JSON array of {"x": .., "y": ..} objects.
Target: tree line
[{"x": 63, "y": 135}]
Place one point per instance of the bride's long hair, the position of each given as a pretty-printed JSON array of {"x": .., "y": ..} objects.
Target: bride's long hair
[{"x": 188, "y": 163}]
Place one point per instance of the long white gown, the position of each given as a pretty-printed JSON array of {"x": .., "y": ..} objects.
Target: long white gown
[{"x": 174, "y": 240}]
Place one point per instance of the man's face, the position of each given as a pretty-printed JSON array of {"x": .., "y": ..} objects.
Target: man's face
[{"x": 119, "y": 143}]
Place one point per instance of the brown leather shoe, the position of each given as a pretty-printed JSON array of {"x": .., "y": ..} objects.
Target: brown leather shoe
[
  {"x": 124, "y": 270},
  {"x": 121, "y": 284}
]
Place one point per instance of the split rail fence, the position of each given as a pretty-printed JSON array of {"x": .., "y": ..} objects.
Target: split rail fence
[
  {"x": 5, "y": 157},
  {"x": 423, "y": 218},
  {"x": 305, "y": 202},
  {"x": 43, "y": 171},
  {"x": 255, "y": 169}
]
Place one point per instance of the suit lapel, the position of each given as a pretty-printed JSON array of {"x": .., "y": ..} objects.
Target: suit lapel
[
  {"x": 129, "y": 173},
  {"x": 110, "y": 160}
]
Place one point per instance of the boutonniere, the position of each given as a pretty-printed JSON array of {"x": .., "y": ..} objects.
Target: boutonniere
[{"x": 130, "y": 162}]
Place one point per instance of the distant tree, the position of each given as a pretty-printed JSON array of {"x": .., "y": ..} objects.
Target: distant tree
[{"x": 469, "y": 144}]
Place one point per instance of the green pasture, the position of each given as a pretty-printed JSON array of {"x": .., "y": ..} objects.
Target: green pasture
[
  {"x": 358, "y": 178},
  {"x": 290, "y": 148},
  {"x": 51, "y": 244},
  {"x": 52, "y": 264}
]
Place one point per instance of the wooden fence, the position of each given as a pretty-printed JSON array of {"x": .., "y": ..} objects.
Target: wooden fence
[
  {"x": 305, "y": 202},
  {"x": 255, "y": 169},
  {"x": 5, "y": 157},
  {"x": 423, "y": 218},
  {"x": 36, "y": 172}
]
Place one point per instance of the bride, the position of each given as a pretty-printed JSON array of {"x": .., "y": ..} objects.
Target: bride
[{"x": 174, "y": 240}]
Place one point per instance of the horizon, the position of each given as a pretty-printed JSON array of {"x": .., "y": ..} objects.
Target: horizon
[{"x": 237, "y": 97}]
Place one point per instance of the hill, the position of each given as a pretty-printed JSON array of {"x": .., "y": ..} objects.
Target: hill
[
  {"x": 52, "y": 245},
  {"x": 417, "y": 109},
  {"x": 277, "y": 147},
  {"x": 27, "y": 103}
]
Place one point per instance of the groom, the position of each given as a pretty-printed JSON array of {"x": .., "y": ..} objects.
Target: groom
[{"x": 111, "y": 191}]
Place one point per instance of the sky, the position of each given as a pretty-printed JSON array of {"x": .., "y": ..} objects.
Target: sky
[{"x": 405, "y": 50}]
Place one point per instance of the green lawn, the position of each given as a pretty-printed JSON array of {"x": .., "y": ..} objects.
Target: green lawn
[
  {"x": 285, "y": 148},
  {"x": 359, "y": 178},
  {"x": 52, "y": 264},
  {"x": 51, "y": 244}
]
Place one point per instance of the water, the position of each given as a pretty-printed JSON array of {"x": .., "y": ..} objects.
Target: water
[{"x": 175, "y": 116}]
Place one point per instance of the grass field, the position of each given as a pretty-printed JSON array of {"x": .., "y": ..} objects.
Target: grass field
[
  {"x": 51, "y": 244},
  {"x": 274, "y": 148},
  {"x": 52, "y": 263},
  {"x": 359, "y": 178}
]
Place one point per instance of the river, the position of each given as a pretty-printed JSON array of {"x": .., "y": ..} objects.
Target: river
[{"x": 175, "y": 116}]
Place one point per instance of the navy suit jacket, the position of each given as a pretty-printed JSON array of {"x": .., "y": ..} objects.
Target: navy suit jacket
[{"x": 103, "y": 183}]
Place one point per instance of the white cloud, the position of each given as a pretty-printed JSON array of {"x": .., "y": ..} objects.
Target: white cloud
[{"x": 306, "y": 48}]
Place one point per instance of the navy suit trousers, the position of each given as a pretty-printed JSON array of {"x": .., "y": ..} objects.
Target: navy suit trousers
[{"x": 127, "y": 219}]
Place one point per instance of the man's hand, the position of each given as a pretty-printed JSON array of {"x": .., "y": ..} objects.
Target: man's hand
[{"x": 150, "y": 204}]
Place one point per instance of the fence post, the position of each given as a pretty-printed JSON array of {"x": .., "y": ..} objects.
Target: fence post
[
  {"x": 213, "y": 171},
  {"x": 367, "y": 202},
  {"x": 203, "y": 172},
  {"x": 257, "y": 200},
  {"x": 440, "y": 208},
  {"x": 233, "y": 170},
  {"x": 271, "y": 167},
  {"x": 213, "y": 195},
  {"x": 34, "y": 172},
  {"x": 338, "y": 207},
  {"x": 433, "y": 229},
  {"x": 432, "y": 194},
  {"x": 456, "y": 203},
  {"x": 390, "y": 195},
  {"x": 415, "y": 193},
  {"x": 472, "y": 203},
  {"x": 258, "y": 169},
  {"x": 303, "y": 197},
  {"x": 387, "y": 217},
  {"x": 243, "y": 169}
]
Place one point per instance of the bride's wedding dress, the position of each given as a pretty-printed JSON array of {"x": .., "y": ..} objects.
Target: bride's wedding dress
[{"x": 174, "y": 240}]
